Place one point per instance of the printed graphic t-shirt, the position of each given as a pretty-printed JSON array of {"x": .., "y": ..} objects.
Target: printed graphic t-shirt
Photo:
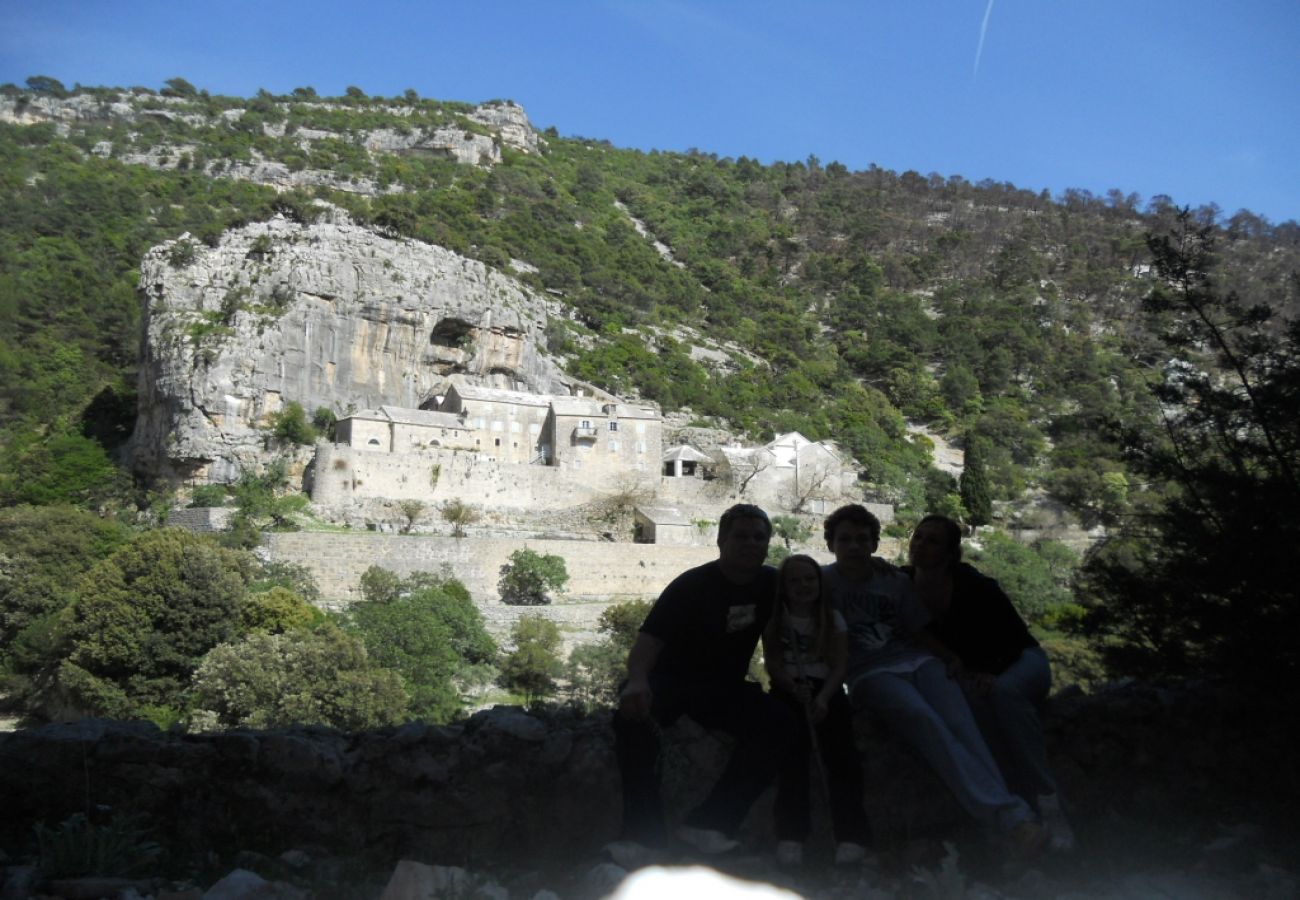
[
  {"x": 881, "y": 613},
  {"x": 799, "y": 644},
  {"x": 709, "y": 625}
]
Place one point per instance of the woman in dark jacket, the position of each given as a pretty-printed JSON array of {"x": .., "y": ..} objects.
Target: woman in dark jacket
[{"x": 1002, "y": 668}]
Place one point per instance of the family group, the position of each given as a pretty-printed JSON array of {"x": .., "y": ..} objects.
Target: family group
[{"x": 934, "y": 650}]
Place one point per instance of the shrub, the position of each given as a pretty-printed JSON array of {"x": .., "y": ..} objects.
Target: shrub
[
  {"x": 427, "y": 629},
  {"x": 529, "y": 576},
  {"x": 144, "y": 618},
  {"x": 534, "y": 665},
  {"x": 208, "y": 495},
  {"x": 323, "y": 677}
]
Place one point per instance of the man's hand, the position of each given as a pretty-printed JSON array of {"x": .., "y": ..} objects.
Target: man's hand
[
  {"x": 819, "y": 709},
  {"x": 634, "y": 701}
]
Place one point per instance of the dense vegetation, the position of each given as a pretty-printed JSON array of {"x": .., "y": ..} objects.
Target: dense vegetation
[{"x": 848, "y": 304}]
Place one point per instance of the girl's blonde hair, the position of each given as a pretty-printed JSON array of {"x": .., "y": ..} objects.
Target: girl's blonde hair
[{"x": 823, "y": 646}]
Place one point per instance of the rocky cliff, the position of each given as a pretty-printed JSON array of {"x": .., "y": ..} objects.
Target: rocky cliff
[{"x": 324, "y": 315}]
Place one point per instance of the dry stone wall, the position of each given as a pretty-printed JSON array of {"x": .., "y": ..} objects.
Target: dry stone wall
[{"x": 599, "y": 571}]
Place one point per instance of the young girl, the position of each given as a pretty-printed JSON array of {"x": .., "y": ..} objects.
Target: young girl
[{"x": 804, "y": 648}]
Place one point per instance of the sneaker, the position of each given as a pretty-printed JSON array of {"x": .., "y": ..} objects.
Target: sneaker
[
  {"x": 629, "y": 854},
  {"x": 1057, "y": 825},
  {"x": 848, "y": 853},
  {"x": 1028, "y": 839},
  {"x": 789, "y": 853},
  {"x": 706, "y": 840}
]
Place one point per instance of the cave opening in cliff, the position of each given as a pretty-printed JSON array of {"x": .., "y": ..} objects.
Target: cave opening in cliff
[{"x": 454, "y": 333}]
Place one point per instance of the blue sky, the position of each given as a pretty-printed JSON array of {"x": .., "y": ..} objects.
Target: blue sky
[{"x": 1195, "y": 99}]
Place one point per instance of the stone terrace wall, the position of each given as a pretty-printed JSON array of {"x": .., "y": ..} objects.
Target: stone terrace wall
[
  {"x": 599, "y": 571},
  {"x": 347, "y": 474}
]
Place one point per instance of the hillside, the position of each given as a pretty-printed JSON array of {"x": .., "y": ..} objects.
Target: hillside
[{"x": 1077, "y": 363}]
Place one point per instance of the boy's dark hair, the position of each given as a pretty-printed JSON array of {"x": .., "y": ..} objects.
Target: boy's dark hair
[
  {"x": 855, "y": 513},
  {"x": 741, "y": 511}
]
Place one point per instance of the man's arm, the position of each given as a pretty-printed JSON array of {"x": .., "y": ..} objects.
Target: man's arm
[{"x": 634, "y": 701}]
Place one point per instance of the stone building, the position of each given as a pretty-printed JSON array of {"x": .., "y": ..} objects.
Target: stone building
[
  {"x": 504, "y": 425},
  {"x": 393, "y": 429},
  {"x": 603, "y": 436}
]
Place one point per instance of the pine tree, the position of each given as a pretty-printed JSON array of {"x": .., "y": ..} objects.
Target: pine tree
[
  {"x": 1203, "y": 583},
  {"x": 975, "y": 485}
]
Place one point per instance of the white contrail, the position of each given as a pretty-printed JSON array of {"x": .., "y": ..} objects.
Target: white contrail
[{"x": 984, "y": 26}]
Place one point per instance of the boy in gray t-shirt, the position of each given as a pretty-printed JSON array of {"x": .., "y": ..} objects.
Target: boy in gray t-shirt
[{"x": 893, "y": 671}]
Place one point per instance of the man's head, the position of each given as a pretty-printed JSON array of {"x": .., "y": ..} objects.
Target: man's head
[
  {"x": 852, "y": 533},
  {"x": 741, "y": 511},
  {"x": 744, "y": 532}
]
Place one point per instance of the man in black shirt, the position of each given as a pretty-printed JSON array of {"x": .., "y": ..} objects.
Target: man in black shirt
[{"x": 690, "y": 658}]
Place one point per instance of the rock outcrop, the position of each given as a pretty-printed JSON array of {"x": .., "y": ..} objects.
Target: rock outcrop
[{"x": 324, "y": 315}]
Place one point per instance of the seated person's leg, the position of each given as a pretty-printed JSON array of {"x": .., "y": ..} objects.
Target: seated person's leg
[
  {"x": 1014, "y": 701},
  {"x": 765, "y": 729},
  {"x": 844, "y": 772},
  {"x": 637, "y": 748},
  {"x": 975, "y": 782}
]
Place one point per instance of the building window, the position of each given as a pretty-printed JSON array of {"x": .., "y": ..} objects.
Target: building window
[
  {"x": 613, "y": 446},
  {"x": 640, "y": 446},
  {"x": 640, "y": 427},
  {"x": 498, "y": 426},
  {"x": 498, "y": 442},
  {"x": 374, "y": 441},
  {"x": 534, "y": 428},
  {"x": 613, "y": 426},
  {"x": 514, "y": 427},
  {"x": 585, "y": 423}
]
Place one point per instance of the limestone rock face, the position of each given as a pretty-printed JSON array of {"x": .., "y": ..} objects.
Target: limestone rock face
[{"x": 325, "y": 315}]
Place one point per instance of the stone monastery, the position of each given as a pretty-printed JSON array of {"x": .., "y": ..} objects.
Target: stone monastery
[{"x": 518, "y": 456}]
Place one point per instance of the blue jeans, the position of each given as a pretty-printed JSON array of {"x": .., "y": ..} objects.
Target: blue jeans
[
  {"x": 1008, "y": 717},
  {"x": 927, "y": 709}
]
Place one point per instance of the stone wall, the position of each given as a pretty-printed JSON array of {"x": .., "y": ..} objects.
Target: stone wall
[
  {"x": 344, "y": 475},
  {"x": 599, "y": 571},
  {"x": 507, "y": 786}
]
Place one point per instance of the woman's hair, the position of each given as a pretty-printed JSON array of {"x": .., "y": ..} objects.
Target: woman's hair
[
  {"x": 951, "y": 534},
  {"x": 823, "y": 646}
]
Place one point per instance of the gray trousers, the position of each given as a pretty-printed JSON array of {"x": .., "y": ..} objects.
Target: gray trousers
[
  {"x": 1008, "y": 717},
  {"x": 928, "y": 710}
]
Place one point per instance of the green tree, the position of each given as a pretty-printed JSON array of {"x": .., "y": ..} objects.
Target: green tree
[
  {"x": 975, "y": 495},
  {"x": 529, "y": 577},
  {"x": 290, "y": 425},
  {"x": 1037, "y": 578},
  {"x": 534, "y": 665},
  {"x": 593, "y": 671},
  {"x": 790, "y": 529},
  {"x": 622, "y": 621},
  {"x": 43, "y": 553},
  {"x": 143, "y": 619},
  {"x": 1204, "y": 582},
  {"x": 427, "y": 629},
  {"x": 320, "y": 677},
  {"x": 278, "y": 610},
  {"x": 178, "y": 87}
]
